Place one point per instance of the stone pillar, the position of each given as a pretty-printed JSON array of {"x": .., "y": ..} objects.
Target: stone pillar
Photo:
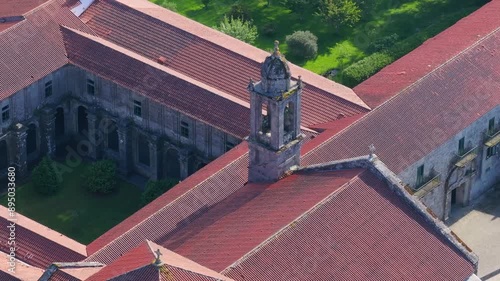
[
  {"x": 21, "y": 160},
  {"x": 92, "y": 135},
  {"x": 183, "y": 161},
  {"x": 153, "y": 157},
  {"x": 49, "y": 129},
  {"x": 124, "y": 147}
]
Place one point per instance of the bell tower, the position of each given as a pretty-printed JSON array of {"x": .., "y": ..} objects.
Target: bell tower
[{"x": 275, "y": 137}]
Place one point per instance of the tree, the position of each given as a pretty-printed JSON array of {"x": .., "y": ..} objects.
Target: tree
[
  {"x": 44, "y": 177},
  {"x": 155, "y": 189},
  {"x": 205, "y": 3},
  {"x": 297, "y": 6},
  {"x": 100, "y": 177},
  {"x": 302, "y": 44},
  {"x": 339, "y": 13},
  {"x": 239, "y": 29}
]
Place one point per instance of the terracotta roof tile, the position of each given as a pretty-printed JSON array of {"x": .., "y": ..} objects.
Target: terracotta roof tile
[
  {"x": 4, "y": 276},
  {"x": 430, "y": 55},
  {"x": 424, "y": 115},
  {"x": 18, "y": 7},
  {"x": 208, "y": 60},
  {"x": 33, "y": 48},
  {"x": 163, "y": 85},
  {"x": 364, "y": 231}
]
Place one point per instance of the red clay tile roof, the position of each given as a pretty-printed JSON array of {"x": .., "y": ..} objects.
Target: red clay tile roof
[
  {"x": 208, "y": 186},
  {"x": 62, "y": 276},
  {"x": 34, "y": 249},
  {"x": 430, "y": 55},
  {"x": 4, "y": 276},
  {"x": 33, "y": 48},
  {"x": 137, "y": 264},
  {"x": 18, "y": 7},
  {"x": 215, "y": 64},
  {"x": 157, "y": 82},
  {"x": 426, "y": 114},
  {"x": 238, "y": 224},
  {"x": 363, "y": 231}
]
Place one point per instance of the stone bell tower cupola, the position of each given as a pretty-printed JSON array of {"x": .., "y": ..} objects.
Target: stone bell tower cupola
[{"x": 275, "y": 137}]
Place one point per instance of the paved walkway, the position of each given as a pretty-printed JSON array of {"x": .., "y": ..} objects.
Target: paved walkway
[{"x": 478, "y": 225}]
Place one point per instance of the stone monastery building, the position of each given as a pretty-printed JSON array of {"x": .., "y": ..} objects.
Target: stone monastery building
[{"x": 286, "y": 175}]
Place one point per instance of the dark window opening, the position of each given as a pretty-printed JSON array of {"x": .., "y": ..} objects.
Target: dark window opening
[
  {"x": 5, "y": 113},
  {"x": 172, "y": 166},
  {"x": 289, "y": 124},
  {"x": 90, "y": 87},
  {"x": 185, "y": 129},
  {"x": 491, "y": 126},
  {"x": 143, "y": 150},
  {"x": 113, "y": 140},
  {"x": 420, "y": 175},
  {"x": 266, "y": 119},
  {"x": 48, "y": 89},
  {"x": 83, "y": 124},
  {"x": 461, "y": 146},
  {"x": 491, "y": 151},
  {"x": 137, "y": 108}
]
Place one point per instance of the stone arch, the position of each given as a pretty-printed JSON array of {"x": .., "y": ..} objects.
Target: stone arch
[
  {"x": 83, "y": 123},
  {"x": 31, "y": 139},
  {"x": 59, "y": 122},
  {"x": 289, "y": 118},
  {"x": 4, "y": 156},
  {"x": 171, "y": 164}
]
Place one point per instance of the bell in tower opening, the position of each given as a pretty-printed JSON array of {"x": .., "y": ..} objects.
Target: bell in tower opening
[{"x": 275, "y": 137}]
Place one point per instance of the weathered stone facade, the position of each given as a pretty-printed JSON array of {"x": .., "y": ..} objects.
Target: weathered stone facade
[
  {"x": 104, "y": 120},
  {"x": 459, "y": 170}
]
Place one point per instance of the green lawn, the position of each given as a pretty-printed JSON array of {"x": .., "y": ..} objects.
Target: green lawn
[
  {"x": 75, "y": 212},
  {"x": 338, "y": 49}
]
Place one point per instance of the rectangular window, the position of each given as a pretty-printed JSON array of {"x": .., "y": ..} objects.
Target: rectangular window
[
  {"x": 461, "y": 146},
  {"x": 185, "y": 129},
  {"x": 420, "y": 175},
  {"x": 90, "y": 87},
  {"x": 137, "y": 108},
  {"x": 491, "y": 151},
  {"x": 48, "y": 89},
  {"x": 5, "y": 113},
  {"x": 491, "y": 125}
]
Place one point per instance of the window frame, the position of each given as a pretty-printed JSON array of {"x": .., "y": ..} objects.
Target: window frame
[
  {"x": 91, "y": 87},
  {"x": 461, "y": 146},
  {"x": 184, "y": 129},
  {"x": 491, "y": 125},
  {"x": 48, "y": 88},
  {"x": 6, "y": 113},
  {"x": 137, "y": 108},
  {"x": 420, "y": 174}
]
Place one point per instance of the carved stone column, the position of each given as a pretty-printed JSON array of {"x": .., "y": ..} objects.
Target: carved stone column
[
  {"x": 21, "y": 160},
  {"x": 49, "y": 129},
  {"x": 92, "y": 135},
  {"x": 124, "y": 147},
  {"x": 183, "y": 161},
  {"x": 153, "y": 157}
]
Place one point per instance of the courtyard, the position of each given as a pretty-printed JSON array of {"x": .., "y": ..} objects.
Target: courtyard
[
  {"x": 478, "y": 225},
  {"x": 75, "y": 212}
]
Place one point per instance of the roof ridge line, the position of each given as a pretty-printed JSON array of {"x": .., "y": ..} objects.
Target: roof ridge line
[
  {"x": 291, "y": 224},
  {"x": 215, "y": 37},
  {"x": 197, "y": 273},
  {"x": 403, "y": 91},
  {"x": 164, "y": 207}
]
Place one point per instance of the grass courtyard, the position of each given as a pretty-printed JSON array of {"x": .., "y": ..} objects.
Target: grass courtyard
[
  {"x": 75, "y": 212},
  {"x": 413, "y": 21}
]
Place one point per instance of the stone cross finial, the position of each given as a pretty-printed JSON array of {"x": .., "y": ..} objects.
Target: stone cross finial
[
  {"x": 299, "y": 83},
  {"x": 158, "y": 254},
  {"x": 372, "y": 151},
  {"x": 276, "y": 47}
]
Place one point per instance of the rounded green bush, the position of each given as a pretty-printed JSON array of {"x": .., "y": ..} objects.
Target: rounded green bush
[
  {"x": 44, "y": 177},
  {"x": 361, "y": 70},
  {"x": 302, "y": 44},
  {"x": 100, "y": 177}
]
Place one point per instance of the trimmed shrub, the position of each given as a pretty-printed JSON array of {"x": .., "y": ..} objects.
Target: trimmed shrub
[
  {"x": 239, "y": 11},
  {"x": 155, "y": 189},
  {"x": 302, "y": 44},
  {"x": 239, "y": 29},
  {"x": 361, "y": 70},
  {"x": 383, "y": 43},
  {"x": 44, "y": 177},
  {"x": 100, "y": 177}
]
